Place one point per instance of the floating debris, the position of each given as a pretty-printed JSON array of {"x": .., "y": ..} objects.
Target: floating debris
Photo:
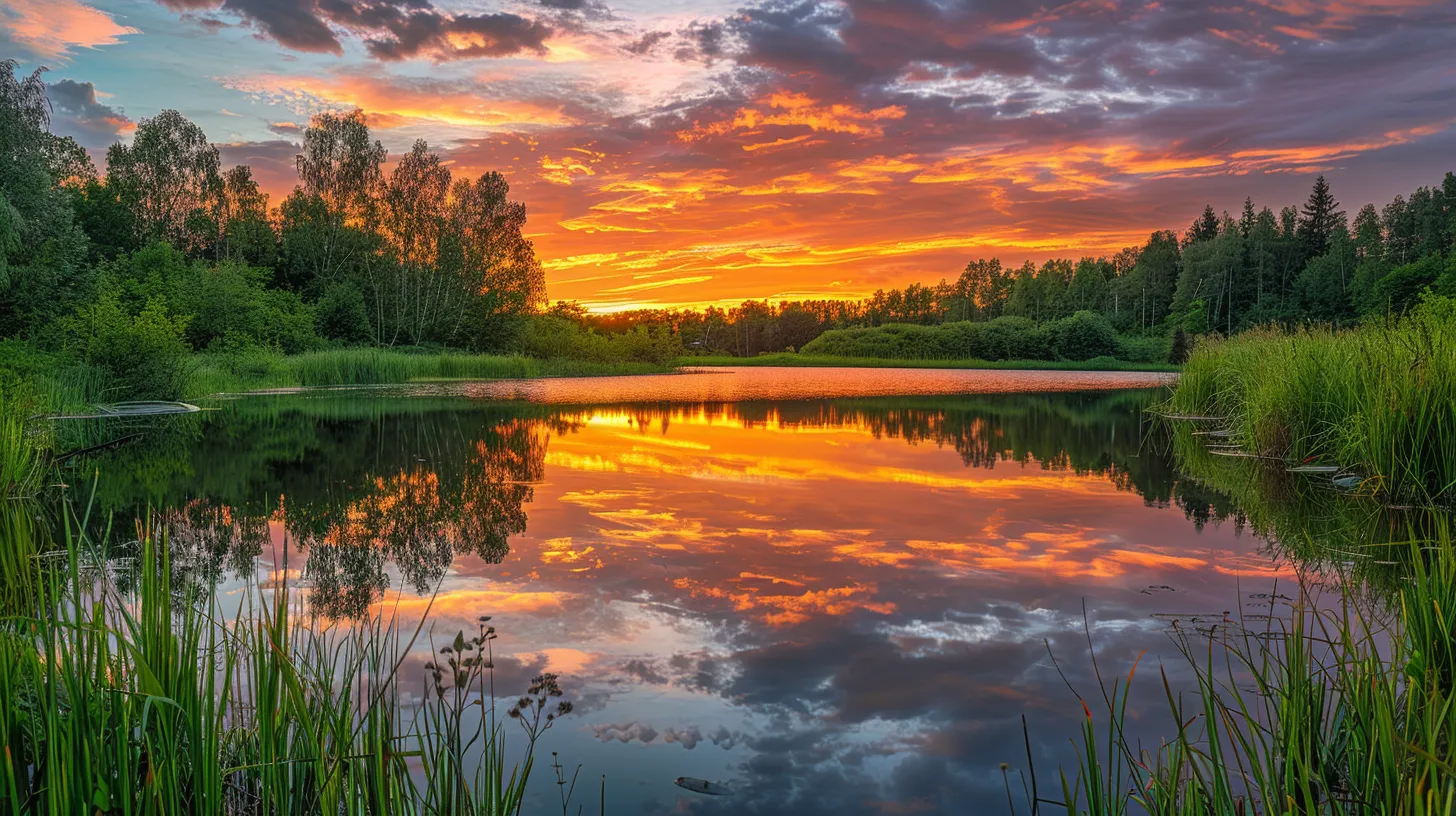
[
  {"x": 130, "y": 409},
  {"x": 1192, "y": 418},
  {"x": 1315, "y": 469},
  {"x": 702, "y": 786},
  {"x": 1347, "y": 482},
  {"x": 1225, "y": 434}
]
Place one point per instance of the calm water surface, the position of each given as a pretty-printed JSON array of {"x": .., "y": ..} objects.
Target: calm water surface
[{"x": 833, "y": 590}]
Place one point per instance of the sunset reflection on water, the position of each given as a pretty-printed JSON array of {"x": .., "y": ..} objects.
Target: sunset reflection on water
[{"x": 836, "y": 606}]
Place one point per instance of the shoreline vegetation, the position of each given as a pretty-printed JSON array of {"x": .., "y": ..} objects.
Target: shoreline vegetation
[
  {"x": 807, "y": 360},
  {"x": 1376, "y": 402},
  {"x": 122, "y": 692},
  {"x": 168, "y": 276}
]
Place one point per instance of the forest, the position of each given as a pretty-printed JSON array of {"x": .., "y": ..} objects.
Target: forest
[
  {"x": 114, "y": 282},
  {"x": 1303, "y": 265},
  {"x": 136, "y": 279}
]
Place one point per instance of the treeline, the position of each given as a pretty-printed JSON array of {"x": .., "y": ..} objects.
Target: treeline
[
  {"x": 1308, "y": 264},
  {"x": 122, "y": 275}
]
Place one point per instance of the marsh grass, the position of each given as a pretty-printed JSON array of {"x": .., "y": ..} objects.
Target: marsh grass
[
  {"x": 368, "y": 366},
  {"x": 23, "y": 451},
  {"x": 156, "y": 699},
  {"x": 1342, "y": 704},
  {"x": 1379, "y": 400}
]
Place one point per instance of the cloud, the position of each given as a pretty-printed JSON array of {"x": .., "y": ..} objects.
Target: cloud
[
  {"x": 646, "y": 43},
  {"x": 827, "y": 149},
  {"x": 626, "y": 732},
  {"x": 272, "y": 162},
  {"x": 52, "y": 29},
  {"x": 77, "y": 112},
  {"x": 400, "y": 101},
  {"x": 391, "y": 30},
  {"x": 688, "y": 736}
]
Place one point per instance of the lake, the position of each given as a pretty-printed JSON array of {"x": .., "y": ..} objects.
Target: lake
[{"x": 831, "y": 590}]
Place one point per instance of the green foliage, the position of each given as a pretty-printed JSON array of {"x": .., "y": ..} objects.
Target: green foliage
[
  {"x": 42, "y": 250},
  {"x": 22, "y": 448},
  {"x": 228, "y": 303},
  {"x": 554, "y": 338},
  {"x": 154, "y": 699},
  {"x": 142, "y": 356},
  {"x": 1181, "y": 347},
  {"x": 341, "y": 315},
  {"x": 1402, "y": 286},
  {"x": 1085, "y": 335},
  {"x": 1319, "y": 708},
  {"x": 1375, "y": 400},
  {"x": 803, "y": 360}
]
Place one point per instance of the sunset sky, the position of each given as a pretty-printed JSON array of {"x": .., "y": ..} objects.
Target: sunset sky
[{"x": 674, "y": 152}]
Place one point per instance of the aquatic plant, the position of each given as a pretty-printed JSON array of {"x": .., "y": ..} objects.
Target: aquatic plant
[
  {"x": 158, "y": 700},
  {"x": 371, "y": 366},
  {"x": 1378, "y": 400},
  {"x": 1318, "y": 708}
]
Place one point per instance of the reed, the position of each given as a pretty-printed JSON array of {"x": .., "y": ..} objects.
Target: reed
[
  {"x": 1378, "y": 400},
  {"x": 372, "y": 366},
  {"x": 1329, "y": 708},
  {"x": 155, "y": 699},
  {"x": 23, "y": 456}
]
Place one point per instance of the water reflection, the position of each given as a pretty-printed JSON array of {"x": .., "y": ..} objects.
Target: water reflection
[{"x": 837, "y": 605}]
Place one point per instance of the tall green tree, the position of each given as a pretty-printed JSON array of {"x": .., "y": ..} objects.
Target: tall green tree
[
  {"x": 43, "y": 273},
  {"x": 1318, "y": 219},
  {"x": 170, "y": 179}
]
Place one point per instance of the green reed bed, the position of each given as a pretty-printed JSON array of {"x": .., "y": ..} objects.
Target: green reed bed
[
  {"x": 1378, "y": 400},
  {"x": 155, "y": 699},
  {"x": 1334, "y": 705},
  {"x": 370, "y": 366}
]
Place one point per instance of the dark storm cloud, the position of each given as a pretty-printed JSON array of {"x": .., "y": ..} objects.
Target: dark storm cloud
[
  {"x": 391, "y": 29},
  {"x": 77, "y": 112}
]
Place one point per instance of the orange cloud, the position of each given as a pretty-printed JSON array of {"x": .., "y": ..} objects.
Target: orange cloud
[
  {"x": 799, "y": 110},
  {"x": 395, "y": 103},
  {"x": 51, "y": 28}
]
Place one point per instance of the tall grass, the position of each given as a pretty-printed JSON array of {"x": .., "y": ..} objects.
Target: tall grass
[
  {"x": 1323, "y": 709},
  {"x": 159, "y": 700},
  {"x": 22, "y": 452},
  {"x": 1379, "y": 400},
  {"x": 370, "y": 366}
]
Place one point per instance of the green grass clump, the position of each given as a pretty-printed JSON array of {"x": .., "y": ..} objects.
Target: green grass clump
[
  {"x": 808, "y": 360},
  {"x": 1319, "y": 709},
  {"x": 1379, "y": 400},
  {"x": 261, "y": 369},
  {"x": 157, "y": 699}
]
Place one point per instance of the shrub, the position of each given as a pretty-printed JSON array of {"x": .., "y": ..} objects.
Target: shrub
[
  {"x": 231, "y": 300},
  {"x": 141, "y": 357},
  {"x": 549, "y": 337},
  {"x": 1083, "y": 336},
  {"x": 1181, "y": 348},
  {"x": 1015, "y": 338},
  {"x": 341, "y": 315},
  {"x": 1402, "y": 286}
]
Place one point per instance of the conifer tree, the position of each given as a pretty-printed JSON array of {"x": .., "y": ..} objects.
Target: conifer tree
[{"x": 1318, "y": 218}]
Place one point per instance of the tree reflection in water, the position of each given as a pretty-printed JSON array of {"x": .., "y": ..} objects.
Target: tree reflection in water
[{"x": 359, "y": 485}]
